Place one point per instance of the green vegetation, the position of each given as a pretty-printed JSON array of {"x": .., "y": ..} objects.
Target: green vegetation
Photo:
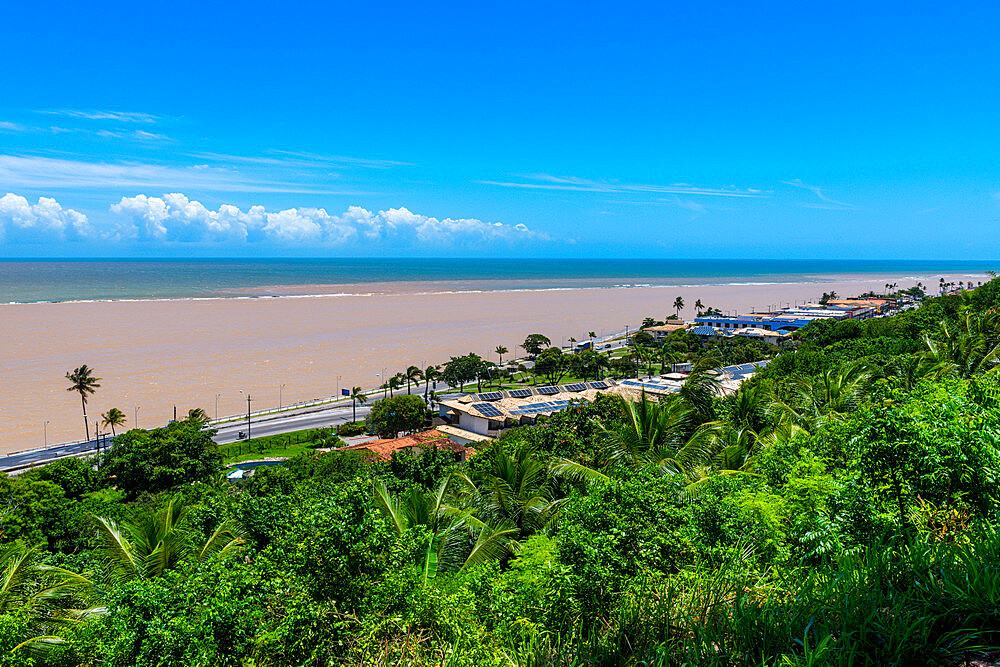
[
  {"x": 841, "y": 509},
  {"x": 394, "y": 414},
  {"x": 284, "y": 445}
]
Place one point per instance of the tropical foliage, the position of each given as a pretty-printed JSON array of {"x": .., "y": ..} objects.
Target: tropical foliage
[{"x": 840, "y": 508}]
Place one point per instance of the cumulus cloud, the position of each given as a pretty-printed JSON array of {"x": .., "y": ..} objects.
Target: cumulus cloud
[
  {"x": 46, "y": 220},
  {"x": 174, "y": 217}
]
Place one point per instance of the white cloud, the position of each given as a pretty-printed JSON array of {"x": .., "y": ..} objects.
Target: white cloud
[
  {"x": 174, "y": 217},
  {"x": 44, "y": 221},
  {"x": 576, "y": 184},
  {"x": 119, "y": 116},
  {"x": 825, "y": 203},
  {"x": 47, "y": 173}
]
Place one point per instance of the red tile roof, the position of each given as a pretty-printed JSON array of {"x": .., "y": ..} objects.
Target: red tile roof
[{"x": 384, "y": 449}]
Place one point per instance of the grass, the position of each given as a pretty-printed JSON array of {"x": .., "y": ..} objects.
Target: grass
[{"x": 272, "y": 446}]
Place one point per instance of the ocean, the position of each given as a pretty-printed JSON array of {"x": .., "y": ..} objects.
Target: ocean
[{"x": 32, "y": 281}]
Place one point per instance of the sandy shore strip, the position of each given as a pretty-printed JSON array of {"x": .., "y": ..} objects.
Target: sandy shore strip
[{"x": 157, "y": 354}]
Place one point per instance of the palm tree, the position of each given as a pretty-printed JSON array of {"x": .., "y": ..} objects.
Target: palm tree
[
  {"x": 413, "y": 375},
  {"x": 591, "y": 335},
  {"x": 660, "y": 434},
  {"x": 40, "y": 593},
  {"x": 699, "y": 306},
  {"x": 969, "y": 348},
  {"x": 396, "y": 382},
  {"x": 113, "y": 417},
  {"x": 830, "y": 395},
  {"x": 431, "y": 374},
  {"x": 679, "y": 305},
  {"x": 511, "y": 498},
  {"x": 572, "y": 343},
  {"x": 501, "y": 350},
  {"x": 156, "y": 542},
  {"x": 356, "y": 397},
  {"x": 83, "y": 382},
  {"x": 413, "y": 508},
  {"x": 701, "y": 388},
  {"x": 198, "y": 416}
]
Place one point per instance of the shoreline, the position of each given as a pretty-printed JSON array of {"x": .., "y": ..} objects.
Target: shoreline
[
  {"x": 440, "y": 287},
  {"x": 157, "y": 353}
]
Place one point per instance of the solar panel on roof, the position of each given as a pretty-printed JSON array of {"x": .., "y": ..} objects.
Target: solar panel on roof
[
  {"x": 519, "y": 393},
  {"x": 491, "y": 396},
  {"x": 575, "y": 387},
  {"x": 548, "y": 390},
  {"x": 487, "y": 410},
  {"x": 599, "y": 385}
]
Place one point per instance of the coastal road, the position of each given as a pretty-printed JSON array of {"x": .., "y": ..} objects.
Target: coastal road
[
  {"x": 36, "y": 456},
  {"x": 259, "y": 427},
  {"x": 320, "y": 418}
]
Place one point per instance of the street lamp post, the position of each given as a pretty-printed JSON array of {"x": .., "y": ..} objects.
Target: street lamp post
[
  {"x": 135, "y": 416},
  {"x": 217, "y": 405},
  {"x": 45, "y": 432},
  {"x": 248, "y": 413},
  {"x": 279, "y": 395}
]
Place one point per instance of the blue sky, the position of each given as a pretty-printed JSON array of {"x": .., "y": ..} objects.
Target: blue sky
[{"x": 537, "y": 129}]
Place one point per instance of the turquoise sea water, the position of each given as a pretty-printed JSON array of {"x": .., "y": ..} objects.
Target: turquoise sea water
[{"x": 75, "y": 280}]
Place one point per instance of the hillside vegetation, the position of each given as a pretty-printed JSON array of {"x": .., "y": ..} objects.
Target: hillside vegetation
[{"x": 841, "y": 509}]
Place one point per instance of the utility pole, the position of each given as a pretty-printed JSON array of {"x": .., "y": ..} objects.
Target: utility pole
[
  {"x": 279, "y": 395},
  {"x": 135, "y": 416},
  {"x": 45, "y": 432},
  {"x": 217, "y": 405},
  {"x": 248, "y": 413}
]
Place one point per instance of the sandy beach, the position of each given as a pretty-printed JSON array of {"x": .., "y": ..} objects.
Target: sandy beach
[{"x": 160, "y": 353}]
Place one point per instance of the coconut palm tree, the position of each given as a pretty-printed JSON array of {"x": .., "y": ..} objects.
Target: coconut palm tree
[
  {"x": 42, "y": 594},
  {"x": 413, "y": 375},
  {"x": 113, "y": 417},
  {"x": 660, "y": 433},
  {"x": 679, "y": 305},
  {"x": 970, "y": 347},
  {"x": 357, "y": 397},
  {"x": 509, "y": 499},
  {"x": 830, "y": 395},
  {"x": 701, "y": 388},
  {"x": 413, "y": 508},
  {"x": 83, "y": 382},
  {"x": 501, "y": 350},
  {"x": 699, "y": 306},
  {"x": 572, "y": 343},
  {"x": 431, "y": 374},
  {"x": 198, "y": 416},
  {"x": 156, "y": 542}
]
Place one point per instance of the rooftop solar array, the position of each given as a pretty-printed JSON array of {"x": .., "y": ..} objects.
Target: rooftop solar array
[
  {"x": 535, "y": 408},
  {"x": 519, "y": 393},
  {"x": 739, "y": 371},
  {"x": 649, "y": 384},
  {"x": 599, "y": 385},
  {"x": 575, "y": 387},
  {"x": 487, "y": 410},
  {"x": 548, "y": 390},
  {"x": 491, "y": 396}
]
